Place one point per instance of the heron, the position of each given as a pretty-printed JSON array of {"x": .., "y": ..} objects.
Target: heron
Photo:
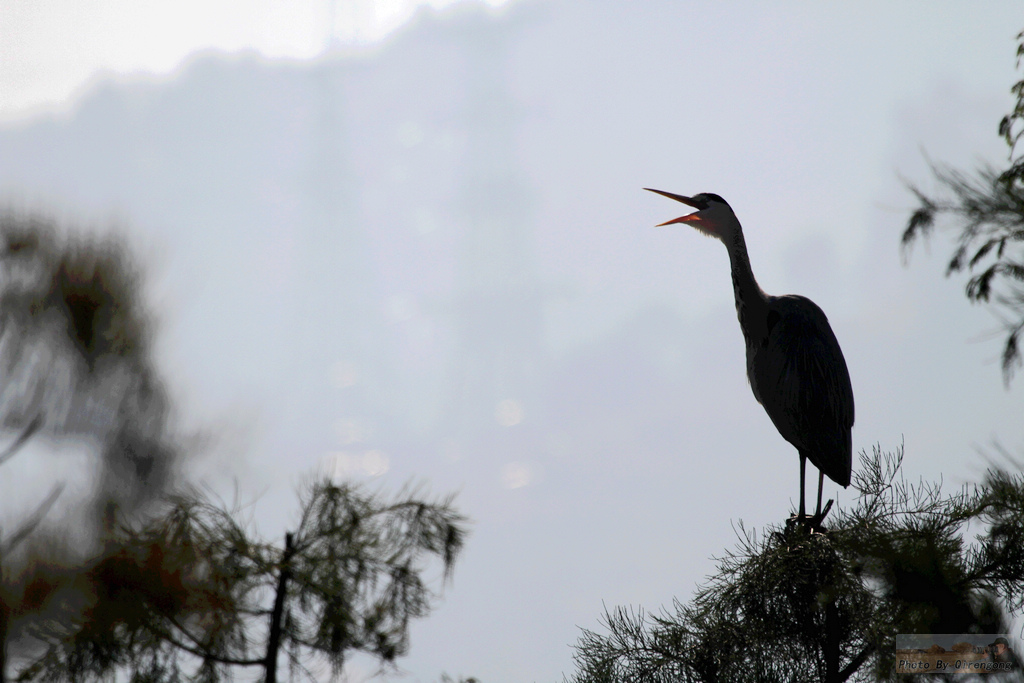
[{"x": 795, "y": 366}]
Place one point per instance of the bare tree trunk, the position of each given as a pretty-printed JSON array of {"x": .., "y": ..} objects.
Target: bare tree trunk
[
  {"x": 276, "y": 616},
  {"x": 831, "y": 642}
]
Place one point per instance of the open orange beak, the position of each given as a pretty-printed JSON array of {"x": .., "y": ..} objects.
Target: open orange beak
[{"x": 688, "y": 218}]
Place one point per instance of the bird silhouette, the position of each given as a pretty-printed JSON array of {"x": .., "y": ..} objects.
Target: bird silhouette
[{"x": 795, "y": 366}]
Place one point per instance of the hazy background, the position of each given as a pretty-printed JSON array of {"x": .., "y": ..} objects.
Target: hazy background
[{"x": 405, "y": 242}]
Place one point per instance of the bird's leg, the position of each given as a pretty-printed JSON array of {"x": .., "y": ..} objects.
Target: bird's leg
[
  {"x": 803, "y": 466},
  {"x": 821, "y": 482},
  {"x": 814, "y": 523}
]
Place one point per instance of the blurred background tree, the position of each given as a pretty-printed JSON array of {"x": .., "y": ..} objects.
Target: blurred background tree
[
  {"x": 75, "y": 368},
  {"x": 986, "y": 208},
  {"x": 152, "y": 579},
  {"x": 194, "y": 595}
]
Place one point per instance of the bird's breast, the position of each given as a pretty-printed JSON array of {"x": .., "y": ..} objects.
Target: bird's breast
[{"x": 755, "y": 326}]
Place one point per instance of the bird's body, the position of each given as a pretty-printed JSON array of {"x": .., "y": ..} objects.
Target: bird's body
[
  {"x": 795, "y": 366},
  {"x": 797, "y": 372}
]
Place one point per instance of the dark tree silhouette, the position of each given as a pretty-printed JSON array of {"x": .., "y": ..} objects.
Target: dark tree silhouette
[
  {"x": 987, "y": 208},
  {"x": 787, "y": 605}
]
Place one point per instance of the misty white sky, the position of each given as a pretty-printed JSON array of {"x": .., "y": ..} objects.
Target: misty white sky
[
  {"x": 49, "y": 50},
  {"x": 649, "y": 446}
]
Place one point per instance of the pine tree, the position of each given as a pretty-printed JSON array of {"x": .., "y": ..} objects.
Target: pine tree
[{"x": 789, "y": 605}]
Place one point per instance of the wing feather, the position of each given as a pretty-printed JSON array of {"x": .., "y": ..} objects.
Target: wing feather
[{"x": 803, "y": 383}]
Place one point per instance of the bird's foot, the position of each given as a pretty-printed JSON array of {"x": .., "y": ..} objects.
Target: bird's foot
[{"x": 813, "y": 523}]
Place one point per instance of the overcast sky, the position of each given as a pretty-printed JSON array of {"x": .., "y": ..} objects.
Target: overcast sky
[
  {"x": 51, "y": 50},
  {"x": 606, "y": 462}
]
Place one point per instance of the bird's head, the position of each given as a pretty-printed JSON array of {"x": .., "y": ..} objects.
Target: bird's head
[{"x": 713, "y": 217}]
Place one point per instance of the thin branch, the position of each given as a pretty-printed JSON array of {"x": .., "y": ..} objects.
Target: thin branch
[
  {"x": 856, "y": 663},
  {"x": 205, "y": 654}
]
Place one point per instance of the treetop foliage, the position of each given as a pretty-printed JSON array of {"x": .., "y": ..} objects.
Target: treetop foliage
[{"x": 786, "y": 605}]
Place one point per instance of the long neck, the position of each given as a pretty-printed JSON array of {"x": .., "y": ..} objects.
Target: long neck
[{"x": 751, "y": 302}]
